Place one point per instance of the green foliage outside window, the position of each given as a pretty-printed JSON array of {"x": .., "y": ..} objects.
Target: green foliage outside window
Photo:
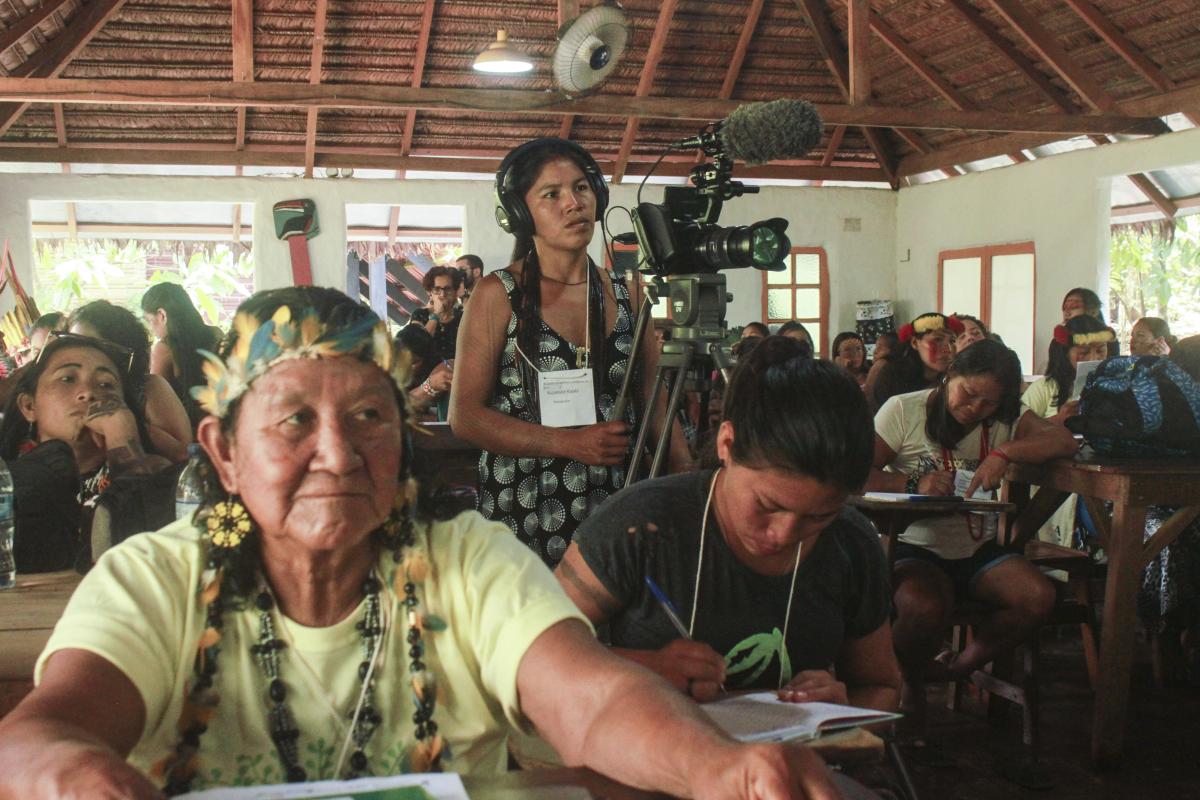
[{"x": 1156, "y": 273}]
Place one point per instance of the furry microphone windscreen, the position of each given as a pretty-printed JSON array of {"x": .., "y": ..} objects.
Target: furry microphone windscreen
[{"x": 760, "y": 132}]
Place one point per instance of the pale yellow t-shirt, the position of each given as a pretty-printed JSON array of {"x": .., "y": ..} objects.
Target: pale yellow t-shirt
[
  {"x": 1040, "y": 398},
  {"x": 900, "y": 422},
  {"x": 138, "y": 608}
]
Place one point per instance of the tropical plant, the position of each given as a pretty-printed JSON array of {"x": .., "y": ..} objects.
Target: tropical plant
[{"x": 1156, "y": 272}]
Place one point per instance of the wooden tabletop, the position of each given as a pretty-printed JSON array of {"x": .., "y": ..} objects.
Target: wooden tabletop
[{"x": 28, "y": 613}]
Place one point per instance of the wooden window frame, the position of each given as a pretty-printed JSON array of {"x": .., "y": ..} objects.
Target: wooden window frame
[
  {"x": 822, "y": 294},
  {"x": 985, "y": 254}
]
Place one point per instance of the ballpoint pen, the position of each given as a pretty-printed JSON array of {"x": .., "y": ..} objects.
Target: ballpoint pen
[{"x": 672, "y": 614}]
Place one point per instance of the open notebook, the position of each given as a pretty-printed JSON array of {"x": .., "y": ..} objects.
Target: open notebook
[{"x": 763, "y": 717}]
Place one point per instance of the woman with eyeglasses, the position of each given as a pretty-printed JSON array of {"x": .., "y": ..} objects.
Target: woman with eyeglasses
[
  {"x": 442, "y": 315},
  {"x": 69, "y": 428},
  {"x": 166, "y": 419}
]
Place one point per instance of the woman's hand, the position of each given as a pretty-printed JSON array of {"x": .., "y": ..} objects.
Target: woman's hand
[
  {"x": 693, "y": 668},
  {"x": 765, "y": 772},
  {"x": 603, "y": 444},
  {"x": 815, "y": 686},
  {"x": 72, "y": 771},
  {"x": 440, "y": 378},
  {"x": 988, "y": 474},
  {"x": 110, "y": 422},
  {"x": 940, "y": 482},
  {"x": 1065, "y": 412}
]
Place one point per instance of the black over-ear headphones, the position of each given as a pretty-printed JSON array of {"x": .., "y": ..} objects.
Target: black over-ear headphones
[{"x": 511, "y": 212}]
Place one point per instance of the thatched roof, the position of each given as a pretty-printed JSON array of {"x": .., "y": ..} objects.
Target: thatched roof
[{"x": 1131, "y": 58}]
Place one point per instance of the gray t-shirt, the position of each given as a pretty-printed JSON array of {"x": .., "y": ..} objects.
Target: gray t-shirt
[{"x": 653, "y": 528}]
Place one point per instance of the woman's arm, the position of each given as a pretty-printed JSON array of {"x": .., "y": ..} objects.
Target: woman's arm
[
  {"x": 620, "y": 720},
  {"x": 868, "y": 676},
  {"x": 166, "y": 421},
  {"x": 115, "y": 429},
  {"x": 70, "y": 736},
  {"x": 480, "y": 343},
  {"x": 690, "y": 666},
  {"x": 1034, "y": 441},
  {"x": 162, "y": 362}
]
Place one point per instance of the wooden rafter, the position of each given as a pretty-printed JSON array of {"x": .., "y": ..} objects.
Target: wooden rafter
[
  {"x": 910, "y": 56},
  {"x": 740, "y": 49},
  {"x": 835, "y": 144},
  {"x": 1046, "y": 45},
  {"x": 658, "y": 42},
  {"x": 60, "y": 135},
  {"x": 418, "y": 75},
  {"x": 243, "y": 57},
  {"x": 1122, "y": 44},
  {"x": 53, "y": 57},
  {"x": 567, "y": 11},
  {"x": 320, "y": 17},
  {"x": 294, "y": 95},
  {"x": 15, "y": 32},
  {"x": 1147, "y": 187},
  {"x": 1015, "y": 56},
  {"x": 293, "y": 156},
  {"x": 858, "y": 16}
]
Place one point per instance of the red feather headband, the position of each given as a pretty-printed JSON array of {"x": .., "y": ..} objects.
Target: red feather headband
[
  {"x": 1067, "y": 339},
  {"x": 930, "y": 322}
]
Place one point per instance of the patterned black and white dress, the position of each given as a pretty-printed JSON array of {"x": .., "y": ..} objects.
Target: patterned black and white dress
[{"x": 543, "y": 500}]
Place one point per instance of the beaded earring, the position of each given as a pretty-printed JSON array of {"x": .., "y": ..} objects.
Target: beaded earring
[{"x": 229, "y": 524}]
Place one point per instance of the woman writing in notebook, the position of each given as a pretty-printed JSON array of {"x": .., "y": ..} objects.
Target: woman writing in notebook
[
  {"x": 777, "y": 584},
  {"x": 968, "y": 427},
  {"x": 552, "y": 451}
]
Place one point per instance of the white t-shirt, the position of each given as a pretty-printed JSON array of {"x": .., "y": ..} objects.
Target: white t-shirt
[
  {"x": 139, "y": 609},
  {"x": 900, "y": 422}
]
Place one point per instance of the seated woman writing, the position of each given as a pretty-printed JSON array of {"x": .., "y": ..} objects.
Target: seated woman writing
[
  {"x": 969, "y": 423},
  {"x": 779, "y": 585},
  {"x": 310, "y": 623},
  {"x": 69, "y": 428}
]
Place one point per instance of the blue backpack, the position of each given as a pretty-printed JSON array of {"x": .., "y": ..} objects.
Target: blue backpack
[{"x": 1140, "y": 406}]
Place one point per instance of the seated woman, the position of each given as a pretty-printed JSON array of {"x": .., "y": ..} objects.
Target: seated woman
[
  {"x": 1151, "y": 336},
  {"x": 311, "y": 623},
  {"x": 926, "y": 348},
  {"x": 182, "y": 334},
  {"x": 69, "y": 429},
  {"x": 155, "y": 400},
  {"x": 796, "y": 330},
  {"x": 774, "y": 577},
  {"x": 1081, "y": 338},
  {"x": 973, "y": 331},
  {"x": 444, "y": 313},
  {"x": 755, "y": 329},
  {"x": 970, "y": 423},
  {"x": 429, "y": 376},
  {"x": 850, "y": 354}
]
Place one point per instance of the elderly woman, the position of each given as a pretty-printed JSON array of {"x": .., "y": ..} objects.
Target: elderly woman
[
  {"x": 309, "y": 623},
  {"x": 70, "y": 427}
]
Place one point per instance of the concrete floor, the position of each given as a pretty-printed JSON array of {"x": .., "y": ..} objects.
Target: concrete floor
[{"x": 1162, "y": 740}]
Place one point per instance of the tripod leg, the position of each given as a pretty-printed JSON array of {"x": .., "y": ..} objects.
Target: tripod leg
[
  {"x": 668, "y": 421},
  {"x": 639, "y": 332},
  {"x": 631, "y": 475}
]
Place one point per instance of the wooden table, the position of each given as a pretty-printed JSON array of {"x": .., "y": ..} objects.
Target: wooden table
[
  {"x": 27, "y": 615},
  {"x": 1131, "y": 485},
  {"x": 892, "y": 517}
]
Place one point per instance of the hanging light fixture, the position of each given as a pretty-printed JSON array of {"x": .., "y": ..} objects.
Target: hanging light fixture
[{"x": 502, "y": 57}]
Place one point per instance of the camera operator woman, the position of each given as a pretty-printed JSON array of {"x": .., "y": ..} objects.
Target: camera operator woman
[{"x": 552, "y": 452}]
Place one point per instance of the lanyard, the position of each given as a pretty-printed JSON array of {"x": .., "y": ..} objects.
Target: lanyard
[{"x": 984, "y": 449}]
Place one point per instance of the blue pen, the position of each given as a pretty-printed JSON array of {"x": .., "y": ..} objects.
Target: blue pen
[{"x": 668, "y": 608}]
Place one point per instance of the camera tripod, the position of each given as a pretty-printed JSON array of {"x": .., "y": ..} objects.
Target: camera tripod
[{"x": 696, "y": 306}]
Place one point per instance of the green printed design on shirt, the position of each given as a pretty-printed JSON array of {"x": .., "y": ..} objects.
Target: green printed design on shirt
[
  {"x": 755, "y": 653},
  {"x": 319, "y": 761}
]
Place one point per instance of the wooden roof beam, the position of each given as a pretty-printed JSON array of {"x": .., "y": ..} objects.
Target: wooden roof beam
[
  {"x": 293, "y": 156},
  {"x": 418, "y": 76},
  {"x": 1122, "y": 44},
  {"x": 1048, "y": 48},
  {"x": 658, "y": 42},
  {"x": 243, "y": 58},
  {"x": 858, "y": 19},
  {"x": 1147, "y": 187},
  {"x": 34, "y": 17},
  {"x": 54, "y": 56},
  {"x": 1015, "y": 56},
  {"x": 215, "y": 94},
  {"x": 835, "y": 143},
  {"x": 567, "y": 11},
  {"x": 320, "y": 17}
]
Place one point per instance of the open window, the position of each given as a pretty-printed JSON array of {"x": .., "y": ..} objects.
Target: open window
[{"x": 997, "y": 284}]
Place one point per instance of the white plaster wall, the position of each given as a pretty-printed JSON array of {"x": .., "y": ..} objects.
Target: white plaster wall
[
  {"x": 859, "y": 262},
  {"x": 1060, "y": 203}
]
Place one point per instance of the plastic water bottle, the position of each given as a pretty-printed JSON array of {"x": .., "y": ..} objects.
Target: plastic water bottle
[
  {"x": 8, "y": 561},
  {"x": 189, "y": 492}
]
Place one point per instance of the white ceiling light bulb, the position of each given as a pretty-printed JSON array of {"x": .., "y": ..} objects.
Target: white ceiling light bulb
[{"x": 501, "y": 57}]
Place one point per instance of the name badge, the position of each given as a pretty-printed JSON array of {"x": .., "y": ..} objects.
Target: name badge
[
  {"x": 566, "y": 398},
  {"x": 963, "y": 478}
]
